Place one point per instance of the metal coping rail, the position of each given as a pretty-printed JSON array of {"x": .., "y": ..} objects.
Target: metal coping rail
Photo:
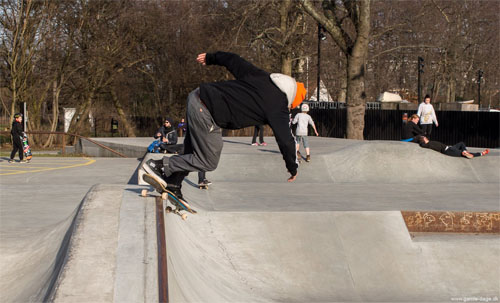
[
  {"x": 70, "y": 134},
  {"x": 162, "y": 253}
]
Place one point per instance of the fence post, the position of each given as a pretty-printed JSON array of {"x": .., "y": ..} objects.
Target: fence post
[{"x": 64, "y": 143}]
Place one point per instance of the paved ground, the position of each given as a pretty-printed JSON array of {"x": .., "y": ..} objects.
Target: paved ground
[
  {"x": 336, "y": 234},
  {"x": 38, "y": 202}
]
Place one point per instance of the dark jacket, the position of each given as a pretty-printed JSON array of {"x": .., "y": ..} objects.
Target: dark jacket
[
  {"x": 411, "y": 130},
  {"x": 169, "y": 133},
  {"x": 16, "y": 130},
  {"x": 435, "y": 145},
  {"x": 251, "y": 99}
]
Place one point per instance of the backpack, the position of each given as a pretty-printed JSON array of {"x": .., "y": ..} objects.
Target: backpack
[{"x": 154, "y": 147}]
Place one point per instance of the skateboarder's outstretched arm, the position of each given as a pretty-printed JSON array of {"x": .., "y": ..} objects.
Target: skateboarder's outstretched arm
[{"x": 236, "y": 65}]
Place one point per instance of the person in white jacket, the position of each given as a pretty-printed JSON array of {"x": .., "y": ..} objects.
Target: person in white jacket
[
  {"x": 427, "y": 115},
  {"x": 304, "y": 120}
]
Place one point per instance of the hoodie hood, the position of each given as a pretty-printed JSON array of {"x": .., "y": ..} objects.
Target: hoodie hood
[{"x": 286, "y": 84}]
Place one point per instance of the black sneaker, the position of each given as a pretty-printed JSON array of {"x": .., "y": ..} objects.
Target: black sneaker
[
  {"x": 155, "y": 168},
  {"x": 206, "y": 182},
  {"x": 176, "y": 190}
]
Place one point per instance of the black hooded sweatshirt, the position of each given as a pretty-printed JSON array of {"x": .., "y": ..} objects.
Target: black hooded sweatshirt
[
  {"x": 251, "y": 99},
  {"x": 16, "y": 130}
]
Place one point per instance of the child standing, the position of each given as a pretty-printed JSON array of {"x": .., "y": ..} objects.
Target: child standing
[
  {"x": 17, "y": 134},
  {"x": 303, "y": 120}
]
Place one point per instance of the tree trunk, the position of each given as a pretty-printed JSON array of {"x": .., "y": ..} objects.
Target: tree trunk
[
  {"x": 129, "y": 130},
  {"x": 356, "y": 97},
  {"x": 286, "y": 64},
  {"x": 343, "y": 89},
  {"x": 55, "y": 113}
]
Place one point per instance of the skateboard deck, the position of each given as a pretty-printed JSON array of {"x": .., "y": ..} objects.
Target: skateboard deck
[
  {"x": 179, "y": 204},
  {"x": 26, "y": 148},
  {"x": 203, "y": 186}
]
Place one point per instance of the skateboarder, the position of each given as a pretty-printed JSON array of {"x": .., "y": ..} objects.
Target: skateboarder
[
  {"x": 254, "y": 97},
  {"x": 457, "y": 150},
  {"x": 303, "y": 120},
  {"x": 168, "y": 138},
  {"x": 17, "y": 133}
]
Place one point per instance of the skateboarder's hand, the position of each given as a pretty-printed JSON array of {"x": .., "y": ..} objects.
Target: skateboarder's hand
[
  {"x": 292, "y": 178},
  {"x": 202, "y": 58}
]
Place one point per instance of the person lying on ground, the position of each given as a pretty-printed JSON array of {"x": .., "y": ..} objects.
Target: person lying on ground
[{"x": 457, "y": 150}]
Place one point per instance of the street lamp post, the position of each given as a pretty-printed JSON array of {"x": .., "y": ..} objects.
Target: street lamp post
[
  {"x": 479, "y": 78},
  {"x": 321, "y": 37},
  {"x": 420, "y": 71}
]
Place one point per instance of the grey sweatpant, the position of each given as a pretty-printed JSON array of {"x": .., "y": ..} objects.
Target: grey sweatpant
[{"x": 202, "y": 143}]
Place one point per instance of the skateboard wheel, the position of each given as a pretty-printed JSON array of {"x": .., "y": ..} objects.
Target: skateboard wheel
[
  {"x": 184, "y": 217},
  {"x": 168, "y": 209},
  {"x": 164, "y": 196},
  {"x": 144, "y": 193}
]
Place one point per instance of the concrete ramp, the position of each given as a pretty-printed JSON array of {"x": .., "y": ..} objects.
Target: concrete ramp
[
  {"x": 30, "y": 269},
  {"x": 369, "y": 162},
  {"x": 337, "y": 233},
  {"x": 322, "y": 257}
]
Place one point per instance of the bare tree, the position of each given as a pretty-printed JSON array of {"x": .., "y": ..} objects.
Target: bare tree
[
  {"x": 22, "y": 33},
  {"x": 348, "y": 23}
]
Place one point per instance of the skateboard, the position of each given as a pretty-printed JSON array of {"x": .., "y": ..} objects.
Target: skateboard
[
  {"x": 203, "y": 185},
  {"x": 26, "y": 148},
  {"x": 179, "y": 204}
]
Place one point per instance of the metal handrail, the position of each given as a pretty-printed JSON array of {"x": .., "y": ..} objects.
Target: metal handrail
[{"x": 64, "y": 134}]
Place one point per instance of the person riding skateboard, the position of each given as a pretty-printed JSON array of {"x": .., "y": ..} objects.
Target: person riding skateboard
[
  {"x": 167, "y": 134},
  {"x": 254, "y": 97}
]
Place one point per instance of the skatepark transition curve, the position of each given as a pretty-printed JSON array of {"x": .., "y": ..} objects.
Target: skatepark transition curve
[{"x": 337, "y": 234}]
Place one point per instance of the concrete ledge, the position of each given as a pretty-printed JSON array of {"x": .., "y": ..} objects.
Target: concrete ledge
[
  {"x": 112, "y": 255},
  {"x": 93, "y": 150}
]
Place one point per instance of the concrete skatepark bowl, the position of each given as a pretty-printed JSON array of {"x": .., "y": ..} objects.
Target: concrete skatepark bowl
[{"x": 337, "y": 234}]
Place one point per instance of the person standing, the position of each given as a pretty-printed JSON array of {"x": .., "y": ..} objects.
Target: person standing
[
  {"x": 303, "y": 120},
  {"x": 181, "y": 127},
  {"x": 17, "y": 133},
  {"x": 254, "y": 97},
  {"x": 427, "y": 115},
  {"x": 258, "y": 130}
]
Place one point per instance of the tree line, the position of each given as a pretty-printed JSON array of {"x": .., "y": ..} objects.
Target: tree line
[{"x": 125, "y": 58}]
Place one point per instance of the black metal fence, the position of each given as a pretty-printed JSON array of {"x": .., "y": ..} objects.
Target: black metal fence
[{"x": 475, "y": 129}]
